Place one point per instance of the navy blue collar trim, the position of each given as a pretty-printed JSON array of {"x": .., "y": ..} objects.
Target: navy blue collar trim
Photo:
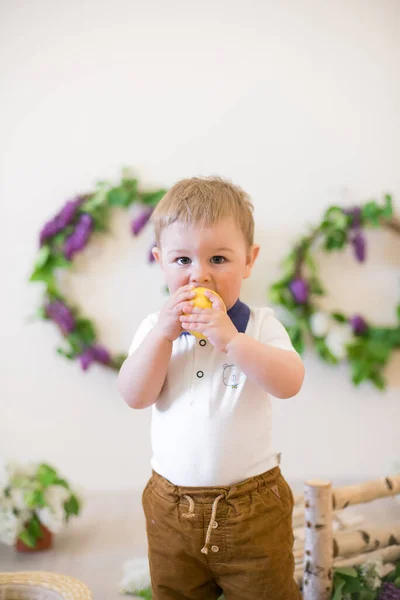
[{"x": 239, "y": 315}]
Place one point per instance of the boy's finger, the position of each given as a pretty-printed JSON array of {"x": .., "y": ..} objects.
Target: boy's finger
[
  {"x": 193, "y": 326},
  {"x": 184, "y": 296},
  {"x": 197, "y": 310},
  {"x": 215, "y": 300},
  {"x": 195, "y": 318}
]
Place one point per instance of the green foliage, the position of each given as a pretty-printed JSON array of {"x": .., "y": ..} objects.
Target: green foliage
[
  {"x": 356, "y": 583},
  {"x": 367, "y": 353},
  {"x": 50, "y": 258},
  {"x": 373, "y": 214},
  {"x": 33, "y": 488}
]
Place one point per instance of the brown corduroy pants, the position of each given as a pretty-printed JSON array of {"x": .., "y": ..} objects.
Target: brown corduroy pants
[{"x": 236, "y": 540}]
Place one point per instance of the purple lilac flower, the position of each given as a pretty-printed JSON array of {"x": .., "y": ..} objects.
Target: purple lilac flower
[
  {"x": 358, "y": 324},
  {"x": 389, "y": 592},
  {"x": 355, "y": 213},
  {"x": 58, "y": 312},
  {"x": 101, "y": 354},
  {"x": 79, "y": 237},
  {"x": 359, "y": 246},
  {"x": 299, "y": 289},
  {"x": 60, "y": 220},
  {"x": 95, "y": 353},
  {"x": 141, "y": 220}
]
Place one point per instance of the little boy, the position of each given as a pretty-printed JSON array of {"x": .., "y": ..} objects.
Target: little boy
[{"x": 218, "y": 510}]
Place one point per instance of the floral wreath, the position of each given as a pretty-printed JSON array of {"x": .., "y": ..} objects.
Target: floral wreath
[
  {"x": 67, "y": 234},
  {"x": 336, "y": 336}
]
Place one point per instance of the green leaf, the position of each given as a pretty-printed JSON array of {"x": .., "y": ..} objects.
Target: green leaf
[
  {"x": 298, "y": 342},
  {"x": 338, "y": 587},
  {"x": 85, "y": 329},
  {"x": 31, "y": 533},
  {"x": 130, "y": 185},
  {"x": 34, "y": 498},
  {"x": 42, "y": 257},
  {"x": 46, "y": 475},
  {"x": 34, "y": 527},
  {"x": 72, "y": 505},
  {"x": 119, "y": 197},
  {"x": 27, "y": 538},
  {"x": 61, "y": 482},
  {"x": 340, "y": 317},
  {"x": 335, "y": 240},
  {"x": 377, "y": 351},
  {"x": 360, "y": 370},
  {"x": 398, "y": 312},
  {"x": 324, "y": 351},
  {"x": 67, "y": 354},
  {"x": 316, "y": 287},
  {"x": 289, "y": 265},
  {"x": 152, "y": 198},
  {"x": 387, "y": 211},
  {"x": 311, "y": 264},
  {"x": 146, "y": 594},
  {"x": 97, "y": 200},
  {"x": 377, "y": 379},
  {"x": 367, "y": 595},
  {"x": 371, "y": 213},
  {"x": 60, "y": 262},
  {"x": 75, "y": 342},
  {"x": 336, "y": 217},
  {"x": 347, "y": 571}
]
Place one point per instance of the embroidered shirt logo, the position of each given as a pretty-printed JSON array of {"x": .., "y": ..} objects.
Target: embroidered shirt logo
[{"x": 231, "y": 376}]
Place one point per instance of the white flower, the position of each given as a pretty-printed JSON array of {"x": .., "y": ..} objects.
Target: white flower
[
  {"x": 17, "y": 498},
  {"x": 337, "y": 339},
  {"x": 10, "y": 527},
  {"x": 372, "y": 573},
  {"x": 23, "y": 471},
  {"x": 4, "y": 474},
  {"x": 319, "y": 323},
  {"x": 136, "y": 576},
  {"x": 53, "y": 520},
  {"x": 55, "y": 496}
]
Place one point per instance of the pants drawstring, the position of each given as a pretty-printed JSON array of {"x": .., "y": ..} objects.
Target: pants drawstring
[
  {"x": 211, "y": 523},
  {"x": 190, "y": 514}
]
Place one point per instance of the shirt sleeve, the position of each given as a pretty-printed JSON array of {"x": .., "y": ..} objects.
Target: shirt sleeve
[
  {"x": 143, "y": 330},
  {"x": 273, "y": 333}
]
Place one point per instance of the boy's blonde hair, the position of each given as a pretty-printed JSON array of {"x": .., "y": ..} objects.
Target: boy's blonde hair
[{"x": 203, "y": 201}]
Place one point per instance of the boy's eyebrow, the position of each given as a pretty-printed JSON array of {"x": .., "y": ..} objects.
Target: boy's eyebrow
[{"x": 182, "y": 250}]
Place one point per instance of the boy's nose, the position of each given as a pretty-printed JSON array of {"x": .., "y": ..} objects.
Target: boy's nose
[{"x": 199, "y": 275}]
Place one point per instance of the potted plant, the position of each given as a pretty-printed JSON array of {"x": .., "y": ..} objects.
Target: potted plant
[{"x": 35, "y": 503}]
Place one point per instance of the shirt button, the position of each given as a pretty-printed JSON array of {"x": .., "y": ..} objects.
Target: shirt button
[
  {"x": 200, "y": 374},
  {"x": 202, "y": 342},
  {"x": 215, "y": 548},
  {"x": 214, "y": 525}
]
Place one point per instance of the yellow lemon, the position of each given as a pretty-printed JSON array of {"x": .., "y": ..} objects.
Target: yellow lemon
[{"x": 201, "y": 301}]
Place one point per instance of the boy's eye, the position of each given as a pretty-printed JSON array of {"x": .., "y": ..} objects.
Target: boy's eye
[
  {"x": 183, "y": 260},
  {"x": 218, "y": 260}
]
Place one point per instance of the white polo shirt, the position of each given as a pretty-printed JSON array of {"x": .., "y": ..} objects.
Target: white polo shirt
[{"x": 211, "y": 425}]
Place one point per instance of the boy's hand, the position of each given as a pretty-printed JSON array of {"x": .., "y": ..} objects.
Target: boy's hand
[
  {"x": 213, "y": 322},
  {"x": 168, "y": 324}
]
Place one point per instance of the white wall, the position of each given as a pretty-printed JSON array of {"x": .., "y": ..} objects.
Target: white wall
[{"x": 298, "y": 102}]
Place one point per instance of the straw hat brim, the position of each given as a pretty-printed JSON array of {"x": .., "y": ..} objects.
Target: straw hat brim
[{"x": 67, "y": 587}]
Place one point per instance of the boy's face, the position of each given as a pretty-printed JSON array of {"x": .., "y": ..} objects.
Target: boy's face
[{"x": 215, "y": 257}]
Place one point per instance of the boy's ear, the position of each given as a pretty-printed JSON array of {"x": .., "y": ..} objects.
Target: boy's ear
[
  {"x": 251, "y": 259},
  {"x": 156, "y": 252}
]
